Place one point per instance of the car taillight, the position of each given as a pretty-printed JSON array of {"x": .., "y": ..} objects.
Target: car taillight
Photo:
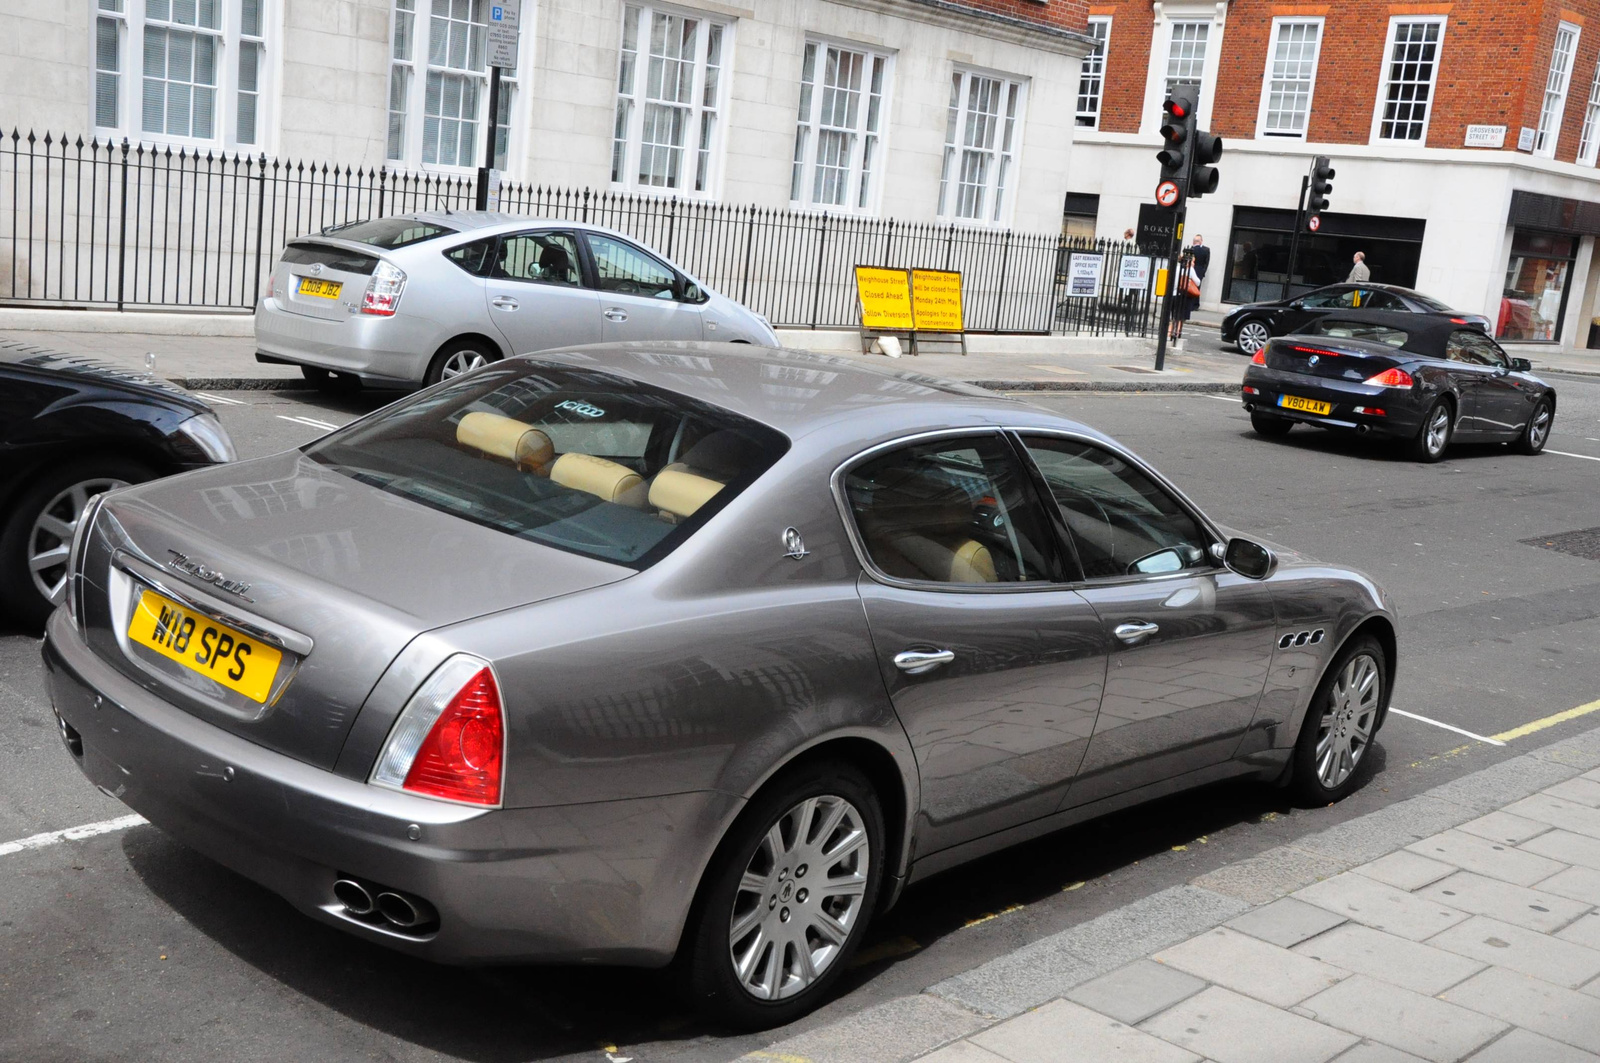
[
  {"x": 382, "y": 296},
  {"x": 1248, "y": 390},
  {"x": 449, "y": 741},
  {"x": 1391, "y": 378},
  {"x": 1259, "y": 358}
]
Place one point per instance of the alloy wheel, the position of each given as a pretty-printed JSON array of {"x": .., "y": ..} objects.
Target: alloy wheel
[
  {"x": 800, "y": 897},
  {"x": 1539, "y": 429},
  {"x": 1438, "y": 430},
  {"x": 1345, "y": 730},
  {"x": 462, "y": 361},
  {"x": 50, "y": 538},
  {"x": 1253, "y": 336}
]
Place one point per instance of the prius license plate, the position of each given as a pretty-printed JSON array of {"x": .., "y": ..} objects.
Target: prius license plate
[
  {"x": 1295, "y": 402},
  {"x": 236, "y": 660},
  {"x": 320, "y": 289}
]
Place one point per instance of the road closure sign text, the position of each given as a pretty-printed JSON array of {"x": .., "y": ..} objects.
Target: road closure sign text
[
  {"x": 936, "y": 300},
  {"x": 885, "y": 296}
]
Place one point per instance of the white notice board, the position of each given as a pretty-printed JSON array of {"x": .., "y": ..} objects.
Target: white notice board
[
  {"x": 503, "y": 18},
  {"x": 1084, "y": 271}
]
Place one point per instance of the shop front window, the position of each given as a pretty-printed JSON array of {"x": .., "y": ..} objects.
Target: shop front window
[{"x": 1536, "y": 287}]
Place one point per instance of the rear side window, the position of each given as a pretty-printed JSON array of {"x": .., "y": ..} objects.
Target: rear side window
[
  {"x": 388, "y": 233},
  {"x": 477, "y": 258},
  {"x": 576, "y": 459},
  {"x": 308, "y": 254}
]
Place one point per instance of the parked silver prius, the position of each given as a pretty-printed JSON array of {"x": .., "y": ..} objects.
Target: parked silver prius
[
  {"x": 643, "y": 653},
  {"x": 423, "y": 297}
]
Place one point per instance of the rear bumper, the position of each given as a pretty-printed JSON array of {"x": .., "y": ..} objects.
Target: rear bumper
[
  {"x": 1402, "y": 407},
  {"x": 608, "y": 881},
  {"x": 376, "y": 349}
]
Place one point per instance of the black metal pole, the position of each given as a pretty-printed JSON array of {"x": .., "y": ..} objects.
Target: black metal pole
[
  {"x": 1294, "y": 238},
  {"x": 489, "y": 146},
  {"x": 1174, "y": 244}
]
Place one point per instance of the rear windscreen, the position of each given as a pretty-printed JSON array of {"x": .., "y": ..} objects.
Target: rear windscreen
[
  {"x": 388, "y": 233},
  {"x": 338, "y": 258},
  {"x": 576, "y": 459}
]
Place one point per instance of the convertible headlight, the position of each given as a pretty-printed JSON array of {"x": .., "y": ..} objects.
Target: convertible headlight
[{"x": 207, "y": 433}]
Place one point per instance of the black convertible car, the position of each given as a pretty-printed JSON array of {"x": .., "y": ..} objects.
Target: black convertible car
[
  {"x": 70, "y": 428},
  {"x": 1422, "y": 379},
  {"x": 1251, "y": 326}
]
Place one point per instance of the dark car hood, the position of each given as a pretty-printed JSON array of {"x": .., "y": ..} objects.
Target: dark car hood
[{"x": 43, "y": 361}]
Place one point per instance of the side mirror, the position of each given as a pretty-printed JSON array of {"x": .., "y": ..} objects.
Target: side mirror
[
  {"x": 1521, "y": 365},
  {"x": 1297, "y": 305},
  {"x": 1248, "y": 559}
]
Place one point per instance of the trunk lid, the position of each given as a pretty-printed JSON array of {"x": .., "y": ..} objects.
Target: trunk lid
[
  {"x": 309, "y": 267},
  {"x": 1317, "y": 356},
  {"x": 334, "y": 574}
]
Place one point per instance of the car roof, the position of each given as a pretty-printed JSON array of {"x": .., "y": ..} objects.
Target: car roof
[
  {"x": 1425, "y": 332},
  {"x": 803, "y": 393}
]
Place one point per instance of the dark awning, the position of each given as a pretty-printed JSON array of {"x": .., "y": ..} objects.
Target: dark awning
[{"x": 1535, "y": 210}]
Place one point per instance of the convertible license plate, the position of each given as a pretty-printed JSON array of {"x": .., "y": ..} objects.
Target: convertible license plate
[
  {"x": 1295, "y": 402},
  {"x": 321, "y": 289},
  {"x": 201, "y": 644}
]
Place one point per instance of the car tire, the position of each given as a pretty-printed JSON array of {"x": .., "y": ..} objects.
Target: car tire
[
  {"x": 1270, "y": 426},
  {"x": 457, "y": 357},
  {"x": 1252, "y": 336},
  {"x": 327, "y": 380},
  {"x": 1536, "y": 433},
  {"x": 777, "y": 842},
  {"x": 1341, "y": 724},
  {"x": 1438, "y": 428},
  {"x": 40, "y": 524}
]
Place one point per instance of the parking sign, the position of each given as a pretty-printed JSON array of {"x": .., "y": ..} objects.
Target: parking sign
[{"x": 503, "y": 20}]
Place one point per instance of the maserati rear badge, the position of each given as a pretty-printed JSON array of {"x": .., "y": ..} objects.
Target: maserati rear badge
[
  {"x": 183, "y": 563},
  {"x": 793, "y": 545}
]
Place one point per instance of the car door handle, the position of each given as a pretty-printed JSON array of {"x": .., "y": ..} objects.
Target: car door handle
[
  {"x": 504, "y": 302},
  {"x": 1135, "y": 631},
  {"x": 615, "y": 313},
  {"x": 915, "y": 662}
]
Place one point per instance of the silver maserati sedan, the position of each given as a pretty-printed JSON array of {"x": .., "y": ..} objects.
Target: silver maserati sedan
[
  {"x": 419, "y": 298},
  {"x": 686, "y": 653}
]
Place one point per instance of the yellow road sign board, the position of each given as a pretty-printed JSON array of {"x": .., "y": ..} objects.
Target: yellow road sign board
[
  {"x": 885, "y": 296},
  {"x": 936, "y": 300}
]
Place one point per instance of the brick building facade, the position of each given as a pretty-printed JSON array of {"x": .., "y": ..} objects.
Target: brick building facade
[{"x": 1465, "y": 135}]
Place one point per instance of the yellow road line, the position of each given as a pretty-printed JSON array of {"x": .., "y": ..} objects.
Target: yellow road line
[{"x": 1548, "y": 721}]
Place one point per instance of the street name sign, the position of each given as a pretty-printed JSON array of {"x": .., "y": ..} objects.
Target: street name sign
[
  {"x": 1134, "y": 276},
  {"x": 1485, "y": 136},
  {"x": 503, "y": 18}
]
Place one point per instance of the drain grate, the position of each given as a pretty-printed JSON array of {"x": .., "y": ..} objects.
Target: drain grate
[{"x": 1584, "y": 543}]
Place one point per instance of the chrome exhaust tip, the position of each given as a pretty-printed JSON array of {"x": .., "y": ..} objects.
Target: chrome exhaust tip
[
  {"x": 355, "y": 897},
  {"x": 405, "y": 912}
]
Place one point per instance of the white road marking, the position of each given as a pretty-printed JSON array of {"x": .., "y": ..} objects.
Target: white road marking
[
  {"x": 310, "y": 421},
  {"x": 71, "y": 834},
  {"x": 1446, "y": 726},
  {"x": 1568, "y": 454},
  {"x": 1223, "y": 398},
  {"x": 219, "y": 398}
]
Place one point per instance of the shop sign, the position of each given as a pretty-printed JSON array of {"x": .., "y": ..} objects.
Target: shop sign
[
  {"x": 1485, "y": 136},
  {"x": 1084, "y": 271}
]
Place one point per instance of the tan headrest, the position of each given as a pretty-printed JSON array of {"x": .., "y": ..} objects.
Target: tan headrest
[
  {"x": 972, "y": 563},
  {"x": 505, "y": 437},
  {"x": 680, "y": 492},
  {"x": 597, "y": 476},
  {"x": 965, "y": 561}
]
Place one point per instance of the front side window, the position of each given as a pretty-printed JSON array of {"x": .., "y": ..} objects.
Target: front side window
[
  {"x": 438, "y": 91},
  {"x": 544, "y": 258},
  {"x": 1092, "y": 81},
  {"x": 621, "y": 267},
  {"x": 950, "y": 511},
  {"x": 980, "y": 147},
  {"x": 1474, "y": 348},
  {"x": 1186, "y": 53},
  {"x": 575, "y": 459},
  {"x": 1407, "y": 90},
  {"x": 1291, "y": 73},
  {"x": 1555, "y": 90},
  {"x": 1121, "y": 521},
  {"x": 838, "y": 138},
  {"x": 667, "y": 132}
]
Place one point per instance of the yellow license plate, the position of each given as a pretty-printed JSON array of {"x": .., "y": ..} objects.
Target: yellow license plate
[
  {"x": 1295, "y": 402},
  {"x": 201, "y": 644},
  {"x": 321, "y": 289}
]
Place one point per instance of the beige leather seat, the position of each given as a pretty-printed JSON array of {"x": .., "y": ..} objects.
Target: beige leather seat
[
  {"x": 604, "y": 479},
  {"x": 679, "y": 490},
  {"x": 913, "y": 537},
  {"x": 506, "y": 437}
]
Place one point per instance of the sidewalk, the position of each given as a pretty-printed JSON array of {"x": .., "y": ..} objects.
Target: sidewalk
[{"x": 1461, "y": 923}]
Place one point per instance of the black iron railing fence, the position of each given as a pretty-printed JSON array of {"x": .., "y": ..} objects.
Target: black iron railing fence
[{"x": 97, "y": 224}]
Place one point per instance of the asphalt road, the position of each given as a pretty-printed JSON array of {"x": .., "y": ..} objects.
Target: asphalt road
[{"x": 127, "y": 946}]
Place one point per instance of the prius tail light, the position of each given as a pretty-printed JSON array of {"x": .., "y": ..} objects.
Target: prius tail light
[
  {"x": 1391, "y": 378},
  {"x": 449, "y": 741},
  {"x": 382, "y": 296}
]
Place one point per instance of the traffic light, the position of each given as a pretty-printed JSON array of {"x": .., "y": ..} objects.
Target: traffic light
[
  {"x": 1206, "y": 150},
  {"x": 1322, "y": 174},
  {"x": 1177, "y": 129}
]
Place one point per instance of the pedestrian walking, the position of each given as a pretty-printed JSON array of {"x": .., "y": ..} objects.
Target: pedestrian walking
[
  {"x": 1359, "y": 273},
  {"x": 1192, "y": 266}
]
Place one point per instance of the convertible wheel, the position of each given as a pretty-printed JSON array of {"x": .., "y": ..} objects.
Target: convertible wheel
[
  {"x": 787, "y": 898},
  {"x": 1266, "y": 424},
  {"x": 1433, "y": 439},
  {"x": 1340, "y": 724},
  {"x": 1536, "y": 433},
  {"x": 38, "y": 534},
  {"x": 1253, "y": 335},
  {"x": 457, "y": 357}
]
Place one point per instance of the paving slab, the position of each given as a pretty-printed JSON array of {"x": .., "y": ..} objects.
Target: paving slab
[
  {"x": 1579, "y": 883},
  {"x": 1489, "y": 789},
  {"x": 1230, "y": 1028},
  {"x": 1569, "y": 1017},
  {"x": 1504, "y": 827},
  {"x": 1497, "y": 860},
  {"x": 1372, "y": 1052},
  {"x": 1422, "y": 1025},
  {"x": 1269, "y": 875},
  {"x": 1064, "y": 1030},
  {"x": 1568, "y": 815},
  {"x": 1133, "y": 993},
  {"x": 1408, "y": 964},
  {"x": 1567, "y": 847},
  {"x": 1381, "y": 907},
  {"x": 1525, "y": 1046},
  {"x": 1584, "y": 931},
  {"x": 1251, "y": 966},
  {"x": 1286, "y": 921},
  {"x": 962, "y": 1052},
  {"x": 899, "y": 1030},
  {"x": 1388, "y": 828},
  {"x": 1579, "y": 791},
  {"x": 1553, "y": 959},
  {"x": 1405, "y": 870},
  {"x": 1524, "y": 907}
]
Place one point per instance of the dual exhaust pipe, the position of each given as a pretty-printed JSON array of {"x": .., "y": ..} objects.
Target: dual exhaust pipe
[{"x": 367, "y": 901}]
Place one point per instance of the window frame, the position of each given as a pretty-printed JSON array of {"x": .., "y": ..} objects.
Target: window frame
[
  {"x": 949, "y": 177},
  {"x": 1384, "y": 82},
  {"x": 131, "y": 21},
  {"x": 1099, "y": 55},
  {"x": 1589, "y": 137},
  {"x": 1165, "y": 79},
  {"x": 804, "y": 167},
  {"x": 1279, "y": 24},
  {"x": 1555, "y": 113}
]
